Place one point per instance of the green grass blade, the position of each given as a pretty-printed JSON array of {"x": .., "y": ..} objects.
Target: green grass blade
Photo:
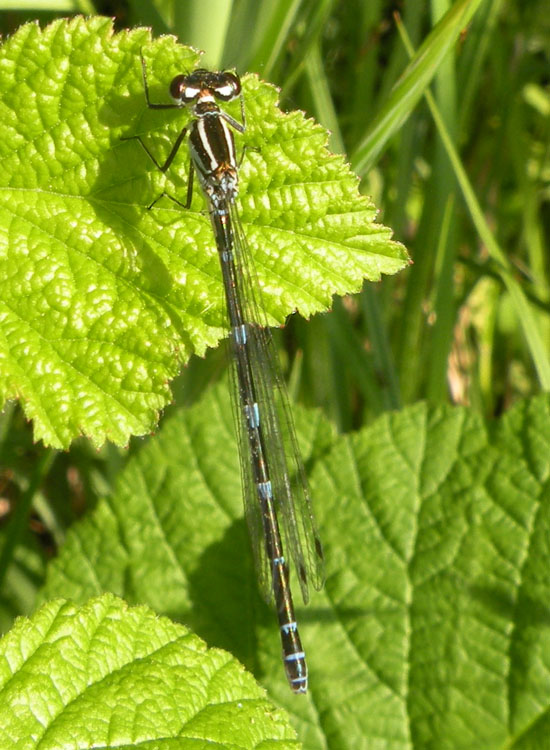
[
  {"x": 524, "y": 311},
  {"x": 412, "y": 84}
]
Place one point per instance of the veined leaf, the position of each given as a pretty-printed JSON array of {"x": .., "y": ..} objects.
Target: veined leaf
[
  {"x": 101, "y": 300},
  {"x": 432, "y": 627},
  {"x": 105, "y": 675}
]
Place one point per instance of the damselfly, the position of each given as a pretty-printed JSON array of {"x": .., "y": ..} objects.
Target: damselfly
[{"x": 273, "y": 476}]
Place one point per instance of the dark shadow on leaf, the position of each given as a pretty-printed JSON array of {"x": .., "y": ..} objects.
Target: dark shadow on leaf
[
  {"x": 525, "y": 609},
  {"x": 226, "y": 603}
]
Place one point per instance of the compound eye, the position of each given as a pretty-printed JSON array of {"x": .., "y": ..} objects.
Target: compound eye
[
  {"x": 229, "y": 87},
  {"x": 180, "y": 90}
]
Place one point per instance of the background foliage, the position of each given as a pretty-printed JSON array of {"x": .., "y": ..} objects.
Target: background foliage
[{"x": 467, "y": 324}]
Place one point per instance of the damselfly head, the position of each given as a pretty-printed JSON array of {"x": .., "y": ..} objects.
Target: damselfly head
[{"x": 205, "y": 84}]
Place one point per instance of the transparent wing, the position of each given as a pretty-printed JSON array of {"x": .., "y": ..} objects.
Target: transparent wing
[
  {"x": 252, "y": 508},
  {"x": 290, "y": 488}
]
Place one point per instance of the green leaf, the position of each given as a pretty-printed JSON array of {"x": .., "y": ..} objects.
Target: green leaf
[
  {"x": 433, "y": 627},
  {"x": 173, "y": 536},
  {"x": 101, "y": 301},
  {"x": 105, "y": 675}
]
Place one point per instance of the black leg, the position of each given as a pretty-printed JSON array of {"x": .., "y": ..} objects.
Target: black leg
[
  {"x": 150, "y": 104},
  {"x": 166, "y": 195},
  {"x": 171, "y": 155}
]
